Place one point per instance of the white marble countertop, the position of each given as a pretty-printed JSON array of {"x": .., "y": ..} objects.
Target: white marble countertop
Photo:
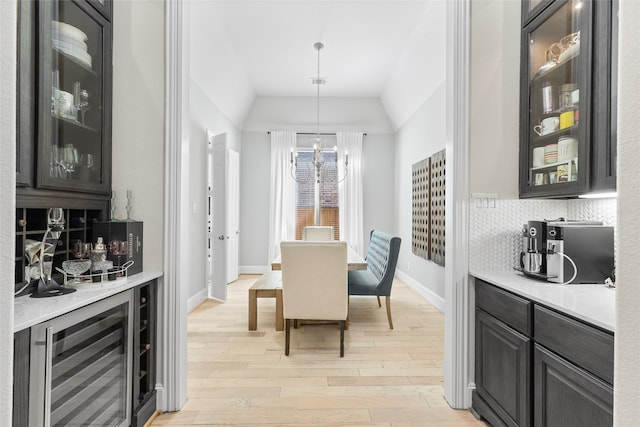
[
  {"x": 594, "y": 304},
  {"x": 31, "y": 311}
]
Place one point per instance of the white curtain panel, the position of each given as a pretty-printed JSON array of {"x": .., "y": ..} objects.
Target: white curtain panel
[
  {"x": 282, "y": 212},
  {"x": 350, "y": 190}
]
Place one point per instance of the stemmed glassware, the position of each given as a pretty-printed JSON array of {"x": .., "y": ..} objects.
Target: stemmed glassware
[
  {"x": 81, "y": 249},
  {"x": 118, "y": 248},
  {"x": 83, "y": 102},
  {"x": 113, "y": 206},
  {"x": 129, "y": 194},
  {"x": 69, "y": 159}
]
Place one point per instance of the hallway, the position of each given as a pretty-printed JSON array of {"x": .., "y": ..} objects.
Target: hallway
[{"x": 388, "y": 378}]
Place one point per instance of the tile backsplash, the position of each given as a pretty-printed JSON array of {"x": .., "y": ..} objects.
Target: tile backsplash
[{"x": 495, "y": 233}]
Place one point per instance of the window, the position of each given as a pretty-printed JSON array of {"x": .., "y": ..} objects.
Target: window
[{"x": 306, "y": 192}]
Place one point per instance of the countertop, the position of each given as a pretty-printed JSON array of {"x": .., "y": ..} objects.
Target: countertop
[
  {"x": 31, "y": 311},
  {"x": 593, "y": 304}
]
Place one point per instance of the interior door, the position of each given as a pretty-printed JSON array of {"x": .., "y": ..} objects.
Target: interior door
[
  {"x": 233, "y": 213},
  {"x": 216, "y": 273}
]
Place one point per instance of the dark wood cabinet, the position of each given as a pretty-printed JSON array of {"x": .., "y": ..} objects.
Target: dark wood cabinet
[
  {"x": 26, "y": 90},
  {"x": 503, "y": 365},
  {"x": 65, "y": 86},
  {"x": 605, "y": 96},
  {"x": 105, "y": 7},
  {"x": 532, "y": 8},
  {"x": 21, "y": 361},
  {"x": 535, "y": 366},
  {"x": 567, "y": 126},
  {"x": 503, "y": 357},
  {"x": 568, "y": 396},
  {"x": 145, "y": 355}
]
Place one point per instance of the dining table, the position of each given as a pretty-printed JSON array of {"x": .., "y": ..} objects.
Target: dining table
[{"x": 354, "y": 261}]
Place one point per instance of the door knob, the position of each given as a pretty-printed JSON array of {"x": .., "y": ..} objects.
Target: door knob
[{"x": 221, "y": 237}]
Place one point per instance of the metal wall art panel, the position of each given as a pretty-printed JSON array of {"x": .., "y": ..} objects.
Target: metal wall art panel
[
  {"x": 437, "y": 206},
  {"x": 420, "y": 176}
]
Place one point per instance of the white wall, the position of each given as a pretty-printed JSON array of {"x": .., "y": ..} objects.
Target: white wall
[
  {"x": 421, "y": 136},
  {"x": 494, "y": 97},
  {"x": 8, "y": 25},
  {"x": 204, "y": 115},
  {"x": 236, "y": 95},
  {"x": 255, "y": 171},
  {"x": 378, "y": 176},
  {"x": 418, "y": 64},
  {"x": 627, "y": 344},
  {"x": 300, "y": 114},
  {"x": 138, "y": 119}
]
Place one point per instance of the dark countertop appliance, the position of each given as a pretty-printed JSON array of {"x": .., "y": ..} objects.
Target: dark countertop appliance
[
  {"x": 549, "y": 247},
  {"x": 579, "y": 253}
]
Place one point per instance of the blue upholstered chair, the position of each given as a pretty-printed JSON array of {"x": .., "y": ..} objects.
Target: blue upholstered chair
[{"x": 382, "y": 257}]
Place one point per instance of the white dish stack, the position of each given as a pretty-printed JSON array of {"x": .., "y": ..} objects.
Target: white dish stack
[{"x": 70, "y": 41}]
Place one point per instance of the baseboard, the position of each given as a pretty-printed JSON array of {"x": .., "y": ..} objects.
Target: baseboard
[
  {"x": 253, "y": 269},
  {"x": 196, "y": 300},
  {"x": 434, "y": 299},
  {"x": 160, "y": 397}
]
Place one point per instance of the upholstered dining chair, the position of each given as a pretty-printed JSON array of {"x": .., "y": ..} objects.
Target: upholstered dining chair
[
  {"x": 317, "y": 233},
  {"x": 314, "y": 284},
  {"x": 382, "y": 257}
]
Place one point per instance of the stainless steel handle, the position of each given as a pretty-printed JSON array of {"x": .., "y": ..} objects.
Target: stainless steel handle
[{"x": 47, "y": 376}]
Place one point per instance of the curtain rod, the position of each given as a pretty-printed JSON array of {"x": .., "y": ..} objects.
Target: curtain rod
[{"x": 315, "y": 133}]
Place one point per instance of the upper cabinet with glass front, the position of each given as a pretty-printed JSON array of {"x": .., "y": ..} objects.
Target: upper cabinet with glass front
[
  {"x": 566, "y": 66},
  {"x": 74, "y": 137},
  {"x": 64, "y": 141}
]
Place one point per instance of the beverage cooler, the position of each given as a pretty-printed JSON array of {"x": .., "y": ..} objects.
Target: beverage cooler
[{"x": 81, "y": 366}]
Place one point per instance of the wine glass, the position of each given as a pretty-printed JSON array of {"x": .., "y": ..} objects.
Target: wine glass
[
  {"x": 81, "y": 250},
  {"x": 69, "y": 159},
  {"x": 84, "y": 102},
  {"x": 119, "y": 248}
]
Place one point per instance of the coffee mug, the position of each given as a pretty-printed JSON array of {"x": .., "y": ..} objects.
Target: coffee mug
[
  {"x": 550, "y": 153},
  {"x": 566, "y": 119},
  {"x": 567, "y": 148},
  {"x": 548, "y": 125},
  {"x": 538, "y": 157}
]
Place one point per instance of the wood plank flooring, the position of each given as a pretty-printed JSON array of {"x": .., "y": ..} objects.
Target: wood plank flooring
[{"x": 388, "y": 378}]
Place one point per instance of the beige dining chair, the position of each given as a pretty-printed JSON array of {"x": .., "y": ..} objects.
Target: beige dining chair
[
  {"x": 317, "y": 233},
  {"x": 314, "y": 284}
]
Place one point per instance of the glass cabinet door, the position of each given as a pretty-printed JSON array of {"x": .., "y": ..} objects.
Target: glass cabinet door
[
  {"x": 557, "y": 108},
  {"x": 74, "y": 98}
]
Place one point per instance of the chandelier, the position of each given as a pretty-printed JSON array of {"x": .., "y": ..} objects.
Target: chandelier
[{"x": 318, "y": 162}]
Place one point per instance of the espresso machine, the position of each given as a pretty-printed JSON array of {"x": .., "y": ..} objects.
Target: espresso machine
[
  {"x": 551, "y": 248},
  {"x": 533, "y": 259},
  {"x": 579, "y": 253}
]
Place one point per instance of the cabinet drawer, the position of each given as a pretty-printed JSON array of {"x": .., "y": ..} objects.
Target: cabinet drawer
[
  {"x": 511, "y": 309},
  {"x": 584, "y": 345}
]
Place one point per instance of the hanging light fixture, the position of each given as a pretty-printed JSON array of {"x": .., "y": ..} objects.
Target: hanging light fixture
[{"x": 318, "y": 141}]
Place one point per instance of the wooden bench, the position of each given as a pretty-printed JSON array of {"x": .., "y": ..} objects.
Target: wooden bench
[{"x": 267, "y": 286}]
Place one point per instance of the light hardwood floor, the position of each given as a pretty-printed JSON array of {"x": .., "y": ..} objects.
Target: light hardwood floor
[{"x": 388, "y": 378}]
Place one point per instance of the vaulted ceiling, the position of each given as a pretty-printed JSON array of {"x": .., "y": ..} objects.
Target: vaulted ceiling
[{"x": 391, "y": 50}]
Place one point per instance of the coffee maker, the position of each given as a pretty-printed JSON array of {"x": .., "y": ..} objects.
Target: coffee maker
[
  {"x": 579, "y": 253},
  {"x": 533, "y": 258},
  {"x": 588, "y": 243}
]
